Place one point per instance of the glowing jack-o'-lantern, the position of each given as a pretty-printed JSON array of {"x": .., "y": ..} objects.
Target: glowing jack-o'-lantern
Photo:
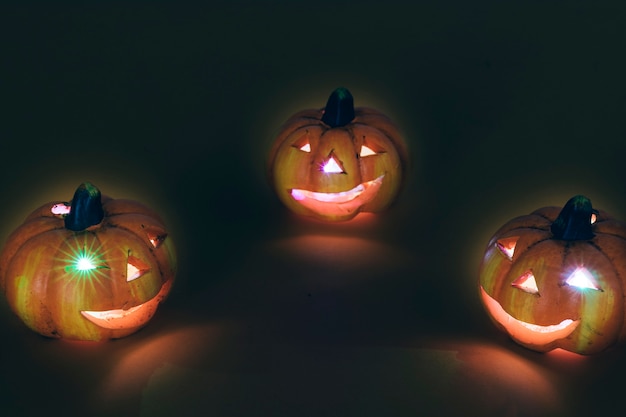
[
  {"x": 92, "y": 269},
  {"x": 336, "y": 162},
  {"x": 555, "y": 279}
]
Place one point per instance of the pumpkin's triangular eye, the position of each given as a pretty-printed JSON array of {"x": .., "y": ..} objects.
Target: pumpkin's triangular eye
[
  {"x": 370, "y": 148},
  {"x": 507, "y": 246},
  {"x": 135, "y": 268},
  {"x": 302, "y": 144},
  {"x": 526, "y": 282},
  {"x": 156, "y": 236},
  {"x": 582, "y": 278},
  {"x": 366, "y": 151}
]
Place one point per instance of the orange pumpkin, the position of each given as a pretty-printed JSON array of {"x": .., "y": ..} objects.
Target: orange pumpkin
[
  {"x": 555, "y": 279},
  {"x": 336, "y": 162},
  {"x": 93, "y": 269}
]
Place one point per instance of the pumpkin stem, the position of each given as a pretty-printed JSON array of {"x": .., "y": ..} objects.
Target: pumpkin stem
[
  {"x": 574, "y": 221},
  {"x": 339, "y": 110},
  {"x": 86, "y": 209}
]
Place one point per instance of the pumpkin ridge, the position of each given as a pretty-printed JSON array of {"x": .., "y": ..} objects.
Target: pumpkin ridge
[
  {"x": 126, "y": 229},
  {"x": 543, "y": 216},
  {"x": 535, "y": 243},
  {"x": 612, "y": 234},
  {"x": 597, "y": 247},
  {"x": 566, "y": 252},
  {"x": 313, "y": 119},
  {"x": 150, "y": 219},
  {"x": 19, "y": 248},
  {"x": 541, "y": 229},
  {"x": 314, "y": 123},
  {"x": 506, "y": 228},
  {"x": 52, "y": 220},
  {"x": 521, "y": 230},
  {"x": 38, "y": 233}
]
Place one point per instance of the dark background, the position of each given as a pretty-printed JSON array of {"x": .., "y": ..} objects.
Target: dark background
[{"x": 506, "y": 107}]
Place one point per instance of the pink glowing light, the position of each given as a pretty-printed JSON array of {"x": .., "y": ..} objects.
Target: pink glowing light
[
  {"x": 582, "y": 278},
  {"x": 60, "y": 209},
  {"x": 507, "y": 246},
  {"x": 332, "y": 167}
]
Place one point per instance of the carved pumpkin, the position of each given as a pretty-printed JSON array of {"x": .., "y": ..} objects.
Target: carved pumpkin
[
  {"x": 555, "y": 279},
  {"x": 92, "y": 269},
  {"x": 336, "y": 162}
]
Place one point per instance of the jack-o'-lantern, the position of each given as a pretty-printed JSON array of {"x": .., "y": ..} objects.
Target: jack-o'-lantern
[
  {"x": 555, "y": 279},
  {"x": 336, "y": 162},
  {"x": 92, "y": 269}
]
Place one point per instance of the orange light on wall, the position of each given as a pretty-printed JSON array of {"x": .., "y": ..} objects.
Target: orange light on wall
[
  {"x": 95, "y": 268},
  {"x": 336, "y": 162},
  {"x": 555, "y": 279}
]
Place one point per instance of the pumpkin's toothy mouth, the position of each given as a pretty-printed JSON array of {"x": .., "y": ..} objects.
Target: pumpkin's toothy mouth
[
  {"x": 111, "y": 319},
  {"x": 342, "y": 202},
  {"x": 527, "y": 332},
  {"x": 123, "y": 319}
]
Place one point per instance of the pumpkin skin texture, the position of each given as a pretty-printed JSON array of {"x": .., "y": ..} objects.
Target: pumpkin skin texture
[
  {"x": 69, "y": 273},
  {"x": 555, "y": 279},
  {"x": 336, "y": 162}
]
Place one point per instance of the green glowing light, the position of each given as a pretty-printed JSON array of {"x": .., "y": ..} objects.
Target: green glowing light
[
  {"x": 84, "y": 260},
  {"x": 84, "y": 263}
]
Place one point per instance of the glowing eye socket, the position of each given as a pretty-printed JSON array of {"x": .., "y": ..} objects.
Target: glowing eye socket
[
  {"x": 135, "y": 268},
  {"x": 507, "y": 246},
  {"x": 302, "y": 144},
  {"x": 594, "y": 217},
  {"x": 527, "y": 283},
  {"x": 156, "y": 236},
  {"x": 366, "y": 151},
  {"x": 582, "y": 278},
  {"x": 84, "y": 263},
  {"x": 332, "y": 167}
]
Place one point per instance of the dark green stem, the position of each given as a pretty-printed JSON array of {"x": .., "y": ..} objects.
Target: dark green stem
[
  {"x": 574, "y": 221},
  {"x": 86, "y": 209},
  {"x": 339, "y": 110}
]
